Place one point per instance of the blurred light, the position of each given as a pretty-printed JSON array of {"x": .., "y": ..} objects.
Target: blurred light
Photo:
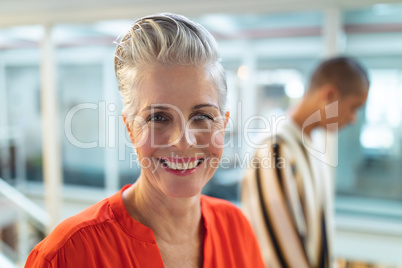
[
  {"x": 30, "y": 33},
  {"x": 383, "y": 101},
  {"x": 383, "y": 9},
  {"x": 62, "y": 33},
  {"x": 394, "y": 116},
  {"x": 221, "y": 23},
  {"x": 113, "y": 28},
  {"x": 243, "y": 72},
  {"x": 294, "y": 89},
  {"x": 376, "y": 137}
]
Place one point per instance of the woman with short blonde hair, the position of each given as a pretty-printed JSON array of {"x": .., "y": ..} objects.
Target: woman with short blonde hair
[{"x": 173, "y": 89}]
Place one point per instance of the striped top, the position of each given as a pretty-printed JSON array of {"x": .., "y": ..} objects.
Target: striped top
[{"x": 288, "y": 198}]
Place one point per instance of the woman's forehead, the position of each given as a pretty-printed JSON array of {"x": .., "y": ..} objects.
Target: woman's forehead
[
  {"x": 179, "y": 109},
  {"x": 179, "y": 86}
]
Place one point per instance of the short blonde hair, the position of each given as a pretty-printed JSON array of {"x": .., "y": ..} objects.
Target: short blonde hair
[{"x": 165, "y": 39}]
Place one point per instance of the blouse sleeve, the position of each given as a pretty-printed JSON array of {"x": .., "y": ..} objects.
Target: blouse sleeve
[
  {"x": 75, "y": 253},
  {"x": 37, "y": 260}
]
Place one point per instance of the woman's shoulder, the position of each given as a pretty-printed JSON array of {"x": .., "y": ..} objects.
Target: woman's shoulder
[
  {"x": 220, "y": 209},
  {"x": 214, "y": 202},
  {"x": 72, "y": 228},
  {"x": 225, "y": 222}
]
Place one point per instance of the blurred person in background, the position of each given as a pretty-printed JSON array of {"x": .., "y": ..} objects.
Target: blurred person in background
[
  {"x": 174, "y": 91},
  {"x": 290, "y": 202}
]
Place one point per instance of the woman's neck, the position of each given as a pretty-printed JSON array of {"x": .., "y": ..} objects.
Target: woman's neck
[{"x": 171, "y": 219}]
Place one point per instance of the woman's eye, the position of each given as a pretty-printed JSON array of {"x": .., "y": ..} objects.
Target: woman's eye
[
  {"x": 202, "y": 117},
  {"x": 157, "y": 118}
]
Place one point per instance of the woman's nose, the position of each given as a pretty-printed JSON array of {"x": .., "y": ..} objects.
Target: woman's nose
[{"x": 183, "y": 137}]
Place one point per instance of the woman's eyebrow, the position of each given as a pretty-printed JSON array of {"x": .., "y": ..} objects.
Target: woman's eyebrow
[
  {"x": 156, "y": 107},
  {"x": 162, "y": 107},
  {"x": 198, "y": 106}
]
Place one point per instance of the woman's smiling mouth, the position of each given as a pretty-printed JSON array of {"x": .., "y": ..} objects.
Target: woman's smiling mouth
[{"x": 183, "y": 166}]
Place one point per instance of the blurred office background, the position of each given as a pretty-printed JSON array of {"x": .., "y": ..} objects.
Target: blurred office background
[{"x": 63, "y": 146}]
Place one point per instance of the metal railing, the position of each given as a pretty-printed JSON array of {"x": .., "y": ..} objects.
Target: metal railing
[
  {"x": 26, "y": 225},
  {"x": 31, "y": 209}
]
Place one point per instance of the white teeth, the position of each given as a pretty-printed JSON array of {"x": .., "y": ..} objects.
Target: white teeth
[
  {"x": 191, "y": 165},
  {"x": 181, "y": 166},
  {"x": 172, "y": 165}
]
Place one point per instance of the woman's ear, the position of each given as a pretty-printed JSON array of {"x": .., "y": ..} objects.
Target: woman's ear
[
  {"x": 227, "y": 116},
  {"x": 127, "y": 124}
]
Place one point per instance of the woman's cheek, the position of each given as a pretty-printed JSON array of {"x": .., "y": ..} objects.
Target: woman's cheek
[
  {"x": 139, "y": 135},
  {"x": 147, "y": 140},
  {"x": 217, "y": 140},
  {"x": 156, "y": 136}
]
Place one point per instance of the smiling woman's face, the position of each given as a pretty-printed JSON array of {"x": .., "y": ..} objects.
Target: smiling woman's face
[{"x": 178, "y": 130}]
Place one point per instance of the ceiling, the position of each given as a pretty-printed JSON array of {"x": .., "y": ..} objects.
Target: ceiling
[
  {"x": 103, "y": 30},
  {"x": 27, "y": 12}
]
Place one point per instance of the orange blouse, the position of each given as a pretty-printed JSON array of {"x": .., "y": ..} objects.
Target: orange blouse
[{"x": 105, "y": 235}]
